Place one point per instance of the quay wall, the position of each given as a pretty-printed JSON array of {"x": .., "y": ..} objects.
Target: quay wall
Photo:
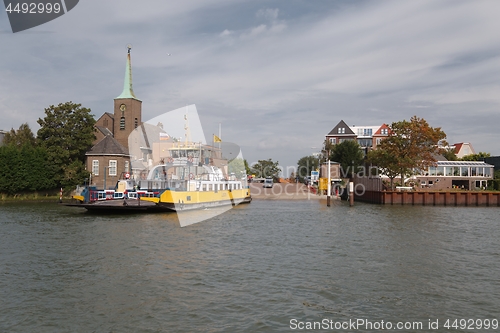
[{"x": 431, "y": 198}]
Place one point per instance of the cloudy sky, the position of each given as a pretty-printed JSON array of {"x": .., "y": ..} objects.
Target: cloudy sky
[{"x": 278, "y": 75}]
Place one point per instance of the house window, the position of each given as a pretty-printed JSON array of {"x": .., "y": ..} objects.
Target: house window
[
  {"x": 112, "y": 167},
  {"x": 126, "y": 166},
  {"x": 122, "y": 123},
  {"x": 488, "y": 172},
  {"x": 384, "y": 131},
  {"x": 333, "y": 140},
  {"x": 95, "y": 167},
  {"x": 341, "y": 130}
]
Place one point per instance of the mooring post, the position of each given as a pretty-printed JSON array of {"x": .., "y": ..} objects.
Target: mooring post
[
  {"x": 351, "y": 193},
  {"x": 329, "y": 186}
]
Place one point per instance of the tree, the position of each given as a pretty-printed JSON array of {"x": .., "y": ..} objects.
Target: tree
[
  {"x": 449, "y": 154},
  {"x": 385, "y": 162},
  {"x": 410, "y": 145},
  {"x": 305, "y": 165},
  {"x": 476, "y": 157},
  {"x": 348, "y": 153},
  {"x": 266, "y": 168},
  {"x": 237, "y": 166},
  {"x": 328, "y": 148},
  {"x": 247, "y": 167},
  {"x": 23, "y": 136},
  {"x": 24, "y": 169},
  {"x": 67, "y": 132}
]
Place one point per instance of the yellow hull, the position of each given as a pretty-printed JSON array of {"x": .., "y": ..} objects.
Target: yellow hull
[{"x": 186, "y": 200}]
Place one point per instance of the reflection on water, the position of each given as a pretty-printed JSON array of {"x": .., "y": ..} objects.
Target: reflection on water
[{"x": 251, "y": 269}]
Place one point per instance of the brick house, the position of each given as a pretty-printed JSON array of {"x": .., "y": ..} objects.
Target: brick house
[{"x": 368, "y": 137}]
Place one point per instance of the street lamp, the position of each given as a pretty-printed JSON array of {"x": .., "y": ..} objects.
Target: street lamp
[{"x": 105, "y": 178}]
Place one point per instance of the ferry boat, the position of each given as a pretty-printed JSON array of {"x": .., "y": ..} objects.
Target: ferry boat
[{"x": 191, "y": 179}]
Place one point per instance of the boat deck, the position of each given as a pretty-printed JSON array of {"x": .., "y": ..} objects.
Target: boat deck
[{"x": 118, "y": 205}]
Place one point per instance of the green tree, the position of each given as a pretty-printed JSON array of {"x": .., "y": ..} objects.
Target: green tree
[
  {"x": 410, "y": 145},
  {"x": 348, "y": 153},
  {"x": 328, "y": 148},
  {"x": 495, "y": 182},
  {"x": 305, "y": 165},
  {"x": 247, "y": 167},
  {"x": 476, "y": 157},
  {"x": 449, "y": 154},
  {"x": 24, "y": 169},
  {"x": 266, "y": 168},
  {"x": 22, "y": 136},
  {"x": 237, "y": 166},
  {"x": 385, "y": 162},
  {"x": 67, "y": 133}
]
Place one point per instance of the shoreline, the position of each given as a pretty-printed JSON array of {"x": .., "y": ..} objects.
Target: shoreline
[{"x": 283, "y": 191}]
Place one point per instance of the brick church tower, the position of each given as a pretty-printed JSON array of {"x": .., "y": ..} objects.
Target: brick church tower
[
  {"x": 127, "y": 108},
  {"x": 109, "y": 158}
]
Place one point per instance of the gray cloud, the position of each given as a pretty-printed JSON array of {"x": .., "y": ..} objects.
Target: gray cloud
[{"x": 278, "y": 76}]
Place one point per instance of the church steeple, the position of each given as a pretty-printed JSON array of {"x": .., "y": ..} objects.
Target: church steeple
[
  {"x": 128, "y": 92},
  {"x": 128, "y": 108}
]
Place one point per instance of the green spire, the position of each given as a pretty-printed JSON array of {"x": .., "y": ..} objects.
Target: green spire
[{"x": 128, "y": 92}]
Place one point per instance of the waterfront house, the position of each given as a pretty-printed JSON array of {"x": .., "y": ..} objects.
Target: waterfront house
[
  {"x": 368, "y": 137},
  {"x": 463, "y": 149},
  {"x": 467, "y": 175}
]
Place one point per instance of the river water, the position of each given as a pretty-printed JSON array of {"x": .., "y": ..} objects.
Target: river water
[{"x": 270, "y": 266}]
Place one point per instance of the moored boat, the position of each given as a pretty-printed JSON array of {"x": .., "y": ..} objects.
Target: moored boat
[
  {"x": 188, "y": 180},
  {"x": 195, "y": 176}
]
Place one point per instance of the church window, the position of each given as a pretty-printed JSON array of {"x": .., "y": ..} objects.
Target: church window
[
  {"x": 136, "y": 123},
  {"x": 112, "y": 167},
  {"x": 95, "y": 167},
  {"x": 122, "y": 123}
]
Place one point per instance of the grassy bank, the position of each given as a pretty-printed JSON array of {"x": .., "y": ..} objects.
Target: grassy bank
[{"x": 46, "y": 196}]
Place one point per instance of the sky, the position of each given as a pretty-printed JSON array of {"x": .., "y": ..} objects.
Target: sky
[{"x": 276, "y": 75}]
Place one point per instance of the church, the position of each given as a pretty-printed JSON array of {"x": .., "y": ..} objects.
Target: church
[{"x": 109, "y": 159}]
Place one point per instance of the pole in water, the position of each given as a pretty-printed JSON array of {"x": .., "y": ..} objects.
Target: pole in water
[
  {"x": 328, "y": 187},
  {"x": 60, "y": 195},
  {"x": 351, "y": 193}
]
